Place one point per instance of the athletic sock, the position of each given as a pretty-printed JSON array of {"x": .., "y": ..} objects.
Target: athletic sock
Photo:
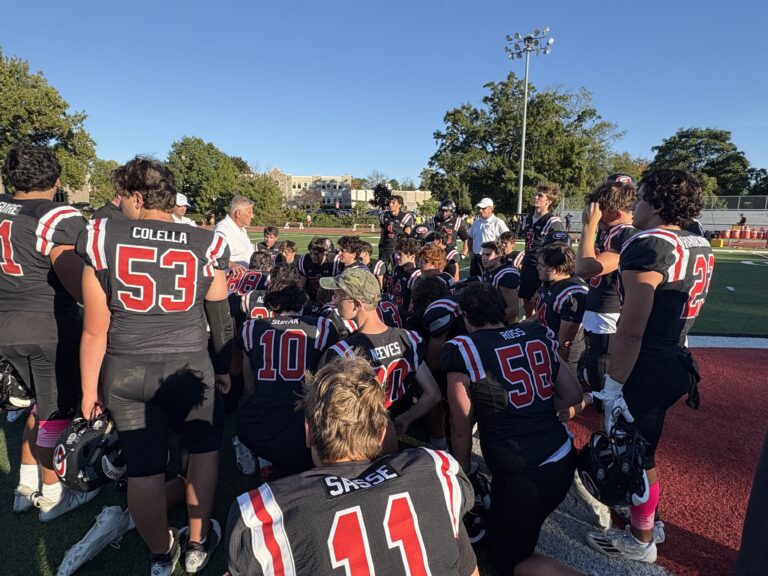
[
  {"x": 53, "y": 491},
  {"x": 438, "y": 443},
  {"x": 642, "y": 516},
  {"x": 29, "y": 475}
]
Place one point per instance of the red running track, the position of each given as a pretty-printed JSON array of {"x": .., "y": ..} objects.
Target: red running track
[{"x": 707, "y": 460}]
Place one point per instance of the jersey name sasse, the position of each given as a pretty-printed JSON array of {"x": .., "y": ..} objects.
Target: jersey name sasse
[
  {"x": 337, "y": 485},
  {"x": 174, "y": 236}
]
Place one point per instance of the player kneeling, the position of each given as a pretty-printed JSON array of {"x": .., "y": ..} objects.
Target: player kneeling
[{"x": 400, "y": 514}]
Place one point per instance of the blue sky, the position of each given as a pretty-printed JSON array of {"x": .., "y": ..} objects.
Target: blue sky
[{"x": 343, "y": 87}]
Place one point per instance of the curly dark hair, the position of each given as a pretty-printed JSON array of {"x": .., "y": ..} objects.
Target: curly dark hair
[
  {"x": 482, "y": 304},
  {"x": 428, "y": 289},
  {"x": 408, "y": 245},
  {"x": 442, "y": 236},
  {"x": 676, "y": 192},
  {"x": 271, "y": 230},
  {"x": 351, "y": 244},
  {"x": 494, "y": 245},
  {"x": 32, "y": 168},
  {"x": 616, "y": 196},
  {"x": 507, "y": 237},
  {"x": 559, "y": 257},
  {"x": 282, "y": 271},
  {"x": 318, "y": 243},
  {"x": 285, "y": 296},
  {"x": 152, "y": 179},
  {"x": 366, "y": 247}
]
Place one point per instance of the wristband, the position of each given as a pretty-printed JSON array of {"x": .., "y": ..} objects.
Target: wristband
[{"x": 612, "y": 385}]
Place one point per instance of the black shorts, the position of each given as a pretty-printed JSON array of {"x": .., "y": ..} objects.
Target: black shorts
[
  {"x": 529, "y": 281},
  {"x": 148, "y": 395},
  {"x": 276, "y": 434},
  {"x": 520, "y": 503},
  {"x": 53, "y": 372},
  {"x": 597, "y": 358},
  {"x": 655, "y": 384}
]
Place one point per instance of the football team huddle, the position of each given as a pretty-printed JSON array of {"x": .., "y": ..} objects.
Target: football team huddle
[{"x": 357, "y": 384}]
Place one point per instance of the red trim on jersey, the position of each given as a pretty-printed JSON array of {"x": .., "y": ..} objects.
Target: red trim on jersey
[
  {"x": 267, "y": 531},
  {"x": 566, "y": 293},
  {"x": 613, "y": 232},
  {"x": 322, "y": 333},
  {"x": 548, "y": 225},
  {"x": 95, "y": 248},
  {"x": 343, "y": 349},
  {"x": 215, "y": 250},
  {"x": 447, "y": 468},
  {"x": 471, "y": 358},
  {"x": 678, "y": 268},
  {"x": 45, "y": 229},
  {"x": 446, "y": 303}
]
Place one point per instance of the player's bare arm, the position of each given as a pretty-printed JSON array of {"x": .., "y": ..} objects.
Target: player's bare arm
[
  {"x": 588, "y": 264},
  {"x": 430, "y": 397},
  {"x": 461, "y": 417},
  {"x": 93, "y": 344},
  {"x": 566, "y": 335},
  {"x": 567, "y": 389},
  {"x": 69, "y": 269},
  {"x": 512, "y": 302},
  {"x": 639, "y": 288},
  {"x": 433, "y": 351}
]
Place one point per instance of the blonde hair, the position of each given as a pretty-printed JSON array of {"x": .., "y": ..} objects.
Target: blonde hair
[{"x": 343, "y": 405}]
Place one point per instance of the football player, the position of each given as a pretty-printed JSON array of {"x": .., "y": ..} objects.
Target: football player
[
  {"x": 452, "y": 224},
  {"x": 431, "y": 261},
  {"x": 405, "y": 273},
  {"x": 395, "y": 515},
  {"x": 39, "y": 289},
  {"x": 348, "y": 253},
  {"x": 287, "y": 253},
  {"x": 508, "y": 379},
  {"x": 397, "y": 355},
  {"x": 664, "y": 278},
  {"x": 269, "y": 243},
  {"x": 147, "y": 285},
  {"x": 536, "y": 225},
  {"x": 561, "y": 300},
  {"x": 511, "y": 256},
  {"x": 452, "y": 256},
  {"x": 393, "y": 222},
  {"x": 280, "y": 350},
  {"x": 505, "y": 278},
  {"x": 377, "y": 267},
  {"x": 315, "y": 264},
  {"x": 607, "y": 222}
]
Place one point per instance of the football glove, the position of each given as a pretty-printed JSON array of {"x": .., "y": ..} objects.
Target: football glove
[{"x": 614, "y": 403}]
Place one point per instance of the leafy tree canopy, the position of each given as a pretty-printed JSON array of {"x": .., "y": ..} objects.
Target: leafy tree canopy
[
  {"x": 101, "y": 185},
  {"x": 33, "y": 111},
  {"x": 203, "y": 172},
  {"x": 706, "y": 151},
  {"x": 381, "y": 195}
]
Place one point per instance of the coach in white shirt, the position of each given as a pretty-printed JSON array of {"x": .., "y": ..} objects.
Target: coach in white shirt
[
  {"x": 180, "y": 209},
  {"x": 486, "y": 228},
  {"x": 233, "y": 229}
]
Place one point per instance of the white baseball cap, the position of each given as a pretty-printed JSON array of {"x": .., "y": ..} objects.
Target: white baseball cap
[
  {"x": 181, "y": 200},
  {"x": 484, "y": 203}
]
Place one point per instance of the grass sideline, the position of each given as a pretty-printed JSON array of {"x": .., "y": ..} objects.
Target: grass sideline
[{"x": 31, "y": 548}]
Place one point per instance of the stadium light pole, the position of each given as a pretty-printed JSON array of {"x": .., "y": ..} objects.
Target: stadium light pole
[{"x": 535, "y": 43}]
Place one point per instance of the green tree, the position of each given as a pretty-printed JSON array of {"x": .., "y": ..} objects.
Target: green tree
[
  {"x": 758, "y": 181},
  {"x": 478, "y": 152},
  {"x": 101, "y": 185},
  {"x": 33, "y": 111},
  {"x": 394, "y": 184},
  {"x": 705, "y": 151},
  {"x": 428, "y": 207},
  {"x": 381, "y": 196},
  {"x": 625, "y": 164},
  {"x": 264, "y": 192},
  {"x": 203, "y": 172},
  {"x": 358, "y": 183},
  {"x": 241, "y": 165}
]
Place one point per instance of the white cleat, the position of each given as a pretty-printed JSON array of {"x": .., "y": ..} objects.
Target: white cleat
[
  {"x": 110, "y": 526},
  {"x": 70, "y": 499},
  {"x": 622, "y": 544},
  {"x": 22, "y": 498}
]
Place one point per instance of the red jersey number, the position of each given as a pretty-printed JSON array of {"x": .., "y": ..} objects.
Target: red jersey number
[
  {"x": 7, "y": 264},
  {"x": 536, "y": 380},
  {"x": 142, "y": 295},
  {"x": 702, "y": 271},
  {"x": 349, "y": 546},
  {"x": 291, "y": 354}
]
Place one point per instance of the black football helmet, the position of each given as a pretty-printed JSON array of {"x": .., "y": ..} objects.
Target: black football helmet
[
  {"x": 88, "y": 454},
  {"x": 611, "y": 466},
  {"x": 14, "y": 394},
  {"x": 449, "y": 205}
]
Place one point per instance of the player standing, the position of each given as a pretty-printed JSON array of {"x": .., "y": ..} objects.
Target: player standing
[
  {"x": 39, "y": 288},
  {"x": 148, "y": 286},
  {"x": 664, "y": 277},
  {"x": 393, "y": 222}
]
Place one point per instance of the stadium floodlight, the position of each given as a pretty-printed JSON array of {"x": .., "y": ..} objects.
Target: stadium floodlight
[{"x": 525, "y": 45}]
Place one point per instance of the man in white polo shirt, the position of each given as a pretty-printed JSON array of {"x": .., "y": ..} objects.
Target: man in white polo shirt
[
  {"x": 486, "y": 228},
  {"x": 178, "y": 212},
  {"x": 232, "y": 227}
]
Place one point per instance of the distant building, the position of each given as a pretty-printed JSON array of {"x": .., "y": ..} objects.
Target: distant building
[
  {"x": 308, "y": 190},
  {"x": 411, "y": 198}
]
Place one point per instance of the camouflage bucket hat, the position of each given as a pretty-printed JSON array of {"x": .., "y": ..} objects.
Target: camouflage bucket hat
[{"x": 356, "y": 282}]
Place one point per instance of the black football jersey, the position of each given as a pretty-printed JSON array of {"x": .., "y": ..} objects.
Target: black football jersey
[
  {"x": 400, "y": 284},
  {"x": 514, "y": 259},
  {"x": 503, "y": 277},
  {"x": 453, "y": 226},
  {"x": 312, "y": 272},
  {"x": 603, "y": 296},
  {"x": 392, "y": 226},
  {"x": 535, "y": 232},
  {"x": 444, "y": 276},
  {"x": 398, "y": 515},
  {"x": 109, "y": 210},
  {"x": 377, "y": 267},
  {"x": 511, "y": 372},
  {"x": 444, "y": 317},
  {"x": 452, "y": 260},
  {"x": 395, "y": 356},
  {"x": 274, "y": 251},
  {"x": 246, "y": 292},
  {"x": 29, "y": 230},
  {"x": 564, "y": 300},
  {"x": 389, "y": 312},
  {"x": 155, "y": 275},
  {"x": 686, "y": 262}
]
